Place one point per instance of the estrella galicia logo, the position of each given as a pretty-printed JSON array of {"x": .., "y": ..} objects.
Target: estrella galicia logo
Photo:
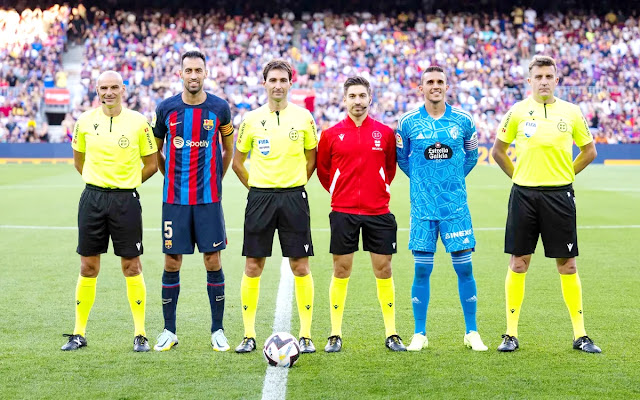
[{"x": 438, "y": 151}]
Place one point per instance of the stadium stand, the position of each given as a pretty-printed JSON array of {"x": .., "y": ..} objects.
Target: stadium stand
[
  {"x": 31, "y": 46},
  {"x": 486, "y": 55}
]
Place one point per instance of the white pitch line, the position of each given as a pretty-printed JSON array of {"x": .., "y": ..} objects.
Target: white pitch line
[
  {"x": 275, "y": 380},
  {"x": 68, "y": 228}
]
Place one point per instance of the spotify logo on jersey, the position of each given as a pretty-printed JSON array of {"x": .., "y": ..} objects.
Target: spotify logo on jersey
[{"x": 178, "y": 142}]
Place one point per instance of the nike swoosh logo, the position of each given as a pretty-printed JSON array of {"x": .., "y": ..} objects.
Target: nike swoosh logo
[
  {"x": 174, "y": 123},
  {"x": 217, "y": 244}
]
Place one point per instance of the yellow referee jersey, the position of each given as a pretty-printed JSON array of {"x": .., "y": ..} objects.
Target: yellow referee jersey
[
  {"x": 113, "y": 147},
  {"x": 544, "y": 136},
  {"x": 277, "y": 142}
]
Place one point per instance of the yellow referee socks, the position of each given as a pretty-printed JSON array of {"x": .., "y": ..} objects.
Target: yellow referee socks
[
  {"x": 249, "y": 294},
  {"x": 514, "y": 294},
  {"x": 137, "y": 295},
  {"x": 337, "y": 299},
  {"x": 304, "y": 298},
  {"x": 572, "y": 293},
  {"x": 386, "y": 297},
  {"x": 85, "y": 296}
]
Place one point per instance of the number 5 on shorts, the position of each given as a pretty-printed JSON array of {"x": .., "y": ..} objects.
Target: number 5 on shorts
[{"x": 168, "y": 230}]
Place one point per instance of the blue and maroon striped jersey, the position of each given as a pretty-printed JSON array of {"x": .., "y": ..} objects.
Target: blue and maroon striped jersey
[{"x": 193, "y": 169}]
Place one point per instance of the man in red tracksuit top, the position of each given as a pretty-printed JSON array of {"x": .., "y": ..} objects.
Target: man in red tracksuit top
[{"x": 356, "y": 164}]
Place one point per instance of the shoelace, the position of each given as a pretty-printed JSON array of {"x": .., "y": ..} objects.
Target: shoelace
[
  {"x": 72, "y": 337},
  {"x": 333, "y": 340},
  {"x": 395, "y": 338},
  {"x": 585, "y": 340},
  {"x": 139, "y": 339}
]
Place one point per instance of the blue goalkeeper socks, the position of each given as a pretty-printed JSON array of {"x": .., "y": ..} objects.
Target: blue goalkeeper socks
[
  {"x": 420, "y": 290},
  {"x": 466, "y": 288}
]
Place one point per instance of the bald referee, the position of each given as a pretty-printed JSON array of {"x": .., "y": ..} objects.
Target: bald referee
[
  {"x": 110, "y": 144},
  {"x": 542, "y": 202}
]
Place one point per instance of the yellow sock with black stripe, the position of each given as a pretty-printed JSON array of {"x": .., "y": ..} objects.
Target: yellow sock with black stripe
[
  {"x": 572, "y": 294},
  {"x": 514, "y": 294},
  {"x": 304, "y": 298},
  {"x": 249, "y": 294},
  {"x": 386, "y": 297},
  {"x": 137, "y": 295},
  {"x": 337, "y": 300},
  {"x": 85, "y": 297}
]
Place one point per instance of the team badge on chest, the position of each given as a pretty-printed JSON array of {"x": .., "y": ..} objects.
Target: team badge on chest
[
  {"x": 562, "y": 126},
  {"x": 454, "y": 132},
  {"x": 123, "y": 142},
  {"x": 207, "y": 124},
  {"x": 264, "y": 146},
  {"x": 376, "y": 140}
]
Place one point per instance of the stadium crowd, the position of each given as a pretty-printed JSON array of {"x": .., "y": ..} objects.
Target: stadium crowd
[
  {"x": 485, "y": 56},
  {"x": 31, "y": 48}
]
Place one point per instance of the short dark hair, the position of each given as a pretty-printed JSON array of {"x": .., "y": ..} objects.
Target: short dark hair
[
  {"x": 277, "y": 64},
  {"x": 356, "y": 80},
  {"x": 193, "y": 54},
  {"x": 433, "y": 68},
  {"x": 542, "y": 61}
]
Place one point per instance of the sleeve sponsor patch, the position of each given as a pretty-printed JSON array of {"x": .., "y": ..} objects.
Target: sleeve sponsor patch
[{"x": 399, "y": 143}]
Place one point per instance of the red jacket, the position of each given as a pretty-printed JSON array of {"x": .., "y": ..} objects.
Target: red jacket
[{"x": 356, "y": 165}]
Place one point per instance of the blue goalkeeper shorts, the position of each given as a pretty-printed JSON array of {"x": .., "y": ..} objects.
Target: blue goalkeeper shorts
[{"x": 456, "y": 234}]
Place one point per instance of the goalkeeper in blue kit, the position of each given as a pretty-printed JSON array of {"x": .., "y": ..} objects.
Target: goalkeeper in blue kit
[{"x": 437, "y": 147}]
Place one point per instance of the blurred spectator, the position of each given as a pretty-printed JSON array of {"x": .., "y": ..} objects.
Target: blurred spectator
[{"x": 485, "y": 54}]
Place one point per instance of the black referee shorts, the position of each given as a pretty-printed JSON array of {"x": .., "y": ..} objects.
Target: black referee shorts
[
  {"x": 109, "y": 212},
  {"x": 286, "y": 210},
  {"x": 549, "y": 212},
  {"x": 378, "y": 233}
]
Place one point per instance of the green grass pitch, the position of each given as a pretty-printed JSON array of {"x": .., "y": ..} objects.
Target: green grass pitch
[{"x": 39, "y": 268}]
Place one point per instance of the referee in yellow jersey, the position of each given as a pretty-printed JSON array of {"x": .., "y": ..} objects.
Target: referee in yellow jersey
[
  {"x": 110, "y": 144},
  {"x": 282, "y": 139},
  {"x": 542, "y": 201}
]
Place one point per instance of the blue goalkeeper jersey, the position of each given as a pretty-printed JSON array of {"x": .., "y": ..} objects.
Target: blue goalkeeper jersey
[{"x": 437, "y": 155}]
